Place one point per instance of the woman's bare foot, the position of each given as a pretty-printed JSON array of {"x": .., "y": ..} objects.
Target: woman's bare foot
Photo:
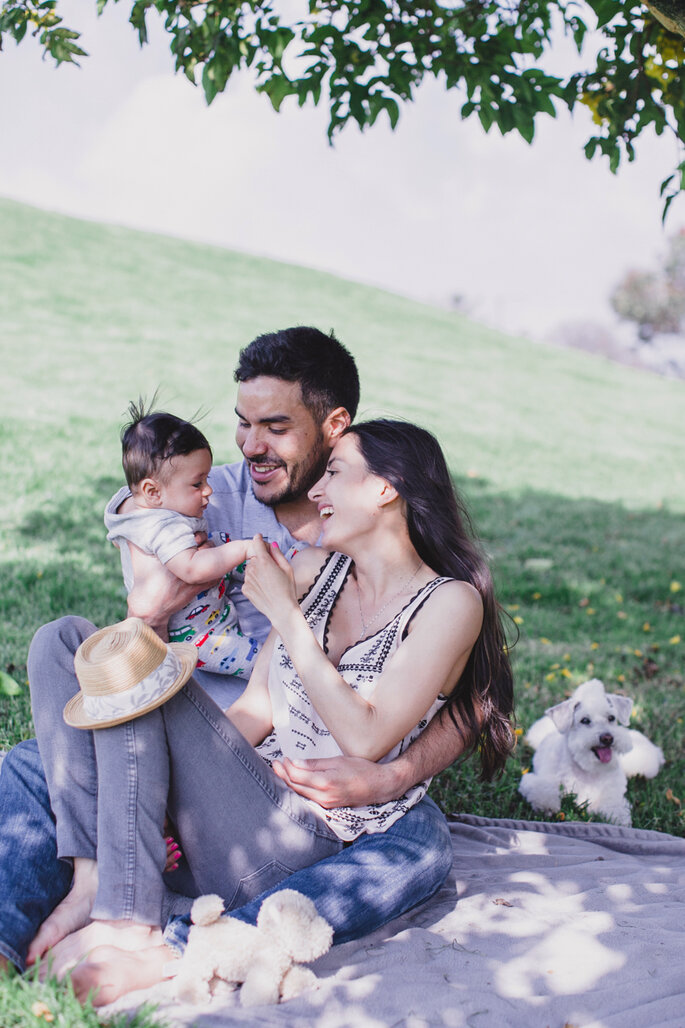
[
  {"x": 122, "y": 935},
  {"x": 72, "y": 913},
  {"x": 110, "y": 972}
]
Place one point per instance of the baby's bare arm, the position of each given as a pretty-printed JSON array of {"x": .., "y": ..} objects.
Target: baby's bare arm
[
  {"x": 157, "y": 594},
  {"x": 196, "y": 566}
]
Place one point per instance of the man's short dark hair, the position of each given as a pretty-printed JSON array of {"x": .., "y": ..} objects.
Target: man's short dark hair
[
  {"x": 151, "y": 438},
  {"x": 325, "y": 370}
]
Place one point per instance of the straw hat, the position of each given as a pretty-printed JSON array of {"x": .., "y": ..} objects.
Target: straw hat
[{"x": 124, "y": 671}]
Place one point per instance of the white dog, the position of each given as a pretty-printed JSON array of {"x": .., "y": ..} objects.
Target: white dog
[{"x": 583, "y": 746}]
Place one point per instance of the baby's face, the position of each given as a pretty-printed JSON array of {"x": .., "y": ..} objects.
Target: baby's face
[{"x": 184, "y": 487}]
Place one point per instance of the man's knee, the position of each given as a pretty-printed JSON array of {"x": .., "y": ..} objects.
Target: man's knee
[{"x": 57, "y": 638}]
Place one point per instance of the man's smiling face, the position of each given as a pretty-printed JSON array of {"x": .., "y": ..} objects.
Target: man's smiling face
[{"x": 279, "y": 438}]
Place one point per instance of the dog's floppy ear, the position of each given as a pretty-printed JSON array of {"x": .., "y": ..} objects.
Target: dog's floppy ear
[
  {"x": 623, "y": 706},
  {"x": 562, "y": 715}
]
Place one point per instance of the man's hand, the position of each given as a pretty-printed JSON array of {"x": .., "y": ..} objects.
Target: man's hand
[
  {"x": 340, "y": 781},
  {"x": 157, "y": 594},
  {"x": 355, "y": 782}
]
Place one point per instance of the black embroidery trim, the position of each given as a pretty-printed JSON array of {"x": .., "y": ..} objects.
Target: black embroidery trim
[
  {"x": 433, "y": 584},
  {"x": 316, "y": 578},
  {"x": 427, "y": 588},
  {"x": 320, "y": 604}
]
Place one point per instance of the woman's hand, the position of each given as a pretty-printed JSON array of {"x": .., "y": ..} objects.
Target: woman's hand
[{"x": 269, "y": 581}]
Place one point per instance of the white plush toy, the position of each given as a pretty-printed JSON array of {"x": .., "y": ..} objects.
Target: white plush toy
[{"x": 266, "y": 959}]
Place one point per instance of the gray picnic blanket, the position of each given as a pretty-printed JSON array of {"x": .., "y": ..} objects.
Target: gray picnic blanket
[{"x": 551, "y": 925}]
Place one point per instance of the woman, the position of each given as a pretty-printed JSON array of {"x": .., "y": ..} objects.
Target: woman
[{"x": 397, "y": 618}]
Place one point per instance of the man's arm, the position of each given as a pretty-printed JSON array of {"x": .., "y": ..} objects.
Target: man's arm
[
  {"x": 157, "y": 594},
  {"x": 355, "y": 782}
]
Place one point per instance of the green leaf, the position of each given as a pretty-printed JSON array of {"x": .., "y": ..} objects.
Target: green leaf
[
  {"x": 393, "y": 109},
  {"x": 605, "y": 11},
  {"x": 277, "y": 88},
  {"x": 486, "y": 116},
  {"x": 8, "y": 686},
  {"x": 208, "y": 83}
]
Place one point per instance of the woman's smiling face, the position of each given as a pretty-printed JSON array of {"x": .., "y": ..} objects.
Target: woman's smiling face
[{"x": 348, "y": 495}]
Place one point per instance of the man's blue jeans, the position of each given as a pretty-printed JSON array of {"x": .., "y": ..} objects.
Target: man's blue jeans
[{"x": 357, "y": 889}]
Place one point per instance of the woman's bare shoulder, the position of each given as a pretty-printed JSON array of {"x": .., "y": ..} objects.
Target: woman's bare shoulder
[
  {"x": 454, "y": 598},
  {"x": 306, "y": 565}
]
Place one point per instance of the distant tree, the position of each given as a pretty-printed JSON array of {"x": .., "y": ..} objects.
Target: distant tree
[
  {"x": 655, "y": 300},
  {"x": 364, "y": 58}
]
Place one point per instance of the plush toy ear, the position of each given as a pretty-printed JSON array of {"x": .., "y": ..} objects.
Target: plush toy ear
[
  {"x": 623, "y": 706},
  {"x": 562, "y": 715},
  {"x": 207, "y": 909}
]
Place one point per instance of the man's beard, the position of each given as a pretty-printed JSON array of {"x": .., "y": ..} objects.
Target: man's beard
[{"x": 301, "y": 476}]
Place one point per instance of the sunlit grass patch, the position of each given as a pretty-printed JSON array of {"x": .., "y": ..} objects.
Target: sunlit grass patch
[
  {"x": 574, "y": 468},
  {"x": 25, "y": 1001}
]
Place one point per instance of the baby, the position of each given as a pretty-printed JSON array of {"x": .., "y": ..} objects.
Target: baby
[{"x": 166, "y": 462}]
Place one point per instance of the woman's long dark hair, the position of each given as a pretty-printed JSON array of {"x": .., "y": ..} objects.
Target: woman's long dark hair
[{"x": 410, "y": 458}]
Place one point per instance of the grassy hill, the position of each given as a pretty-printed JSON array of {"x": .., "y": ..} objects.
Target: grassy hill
[{"x": 573, "y": 467}]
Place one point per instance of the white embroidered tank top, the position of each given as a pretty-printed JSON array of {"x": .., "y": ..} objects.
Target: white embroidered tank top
[{"x": 299, "y": 732}]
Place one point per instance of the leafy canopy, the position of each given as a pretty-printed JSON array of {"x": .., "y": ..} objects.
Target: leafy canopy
[{"x": 367, "y": 57}]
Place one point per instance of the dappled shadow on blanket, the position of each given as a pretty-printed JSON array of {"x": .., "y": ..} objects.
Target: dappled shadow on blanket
[{"x": 536, "y": 925}]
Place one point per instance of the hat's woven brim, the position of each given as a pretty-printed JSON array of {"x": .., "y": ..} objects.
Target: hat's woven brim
[{"x": 75, "y": 715}]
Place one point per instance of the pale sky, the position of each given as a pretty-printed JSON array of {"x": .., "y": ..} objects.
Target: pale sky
[{"x": 531, "y": 236}]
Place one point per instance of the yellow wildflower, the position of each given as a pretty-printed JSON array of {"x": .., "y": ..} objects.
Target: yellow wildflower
[
  {"x": 545, "y": 641},
  {"x": 646, "y": 627},
  {"x": 674, "y": 640},
  {"x": 42, "y": 1010},
  {"x": 594, "y": 646},
  {"x": 675, "y": 587},
  {"x": 518, "y": 620},
  {"x": 537, "y": 596}
]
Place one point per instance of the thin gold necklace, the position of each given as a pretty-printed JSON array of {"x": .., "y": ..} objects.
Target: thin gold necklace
[{"x": 366, "y": 625}]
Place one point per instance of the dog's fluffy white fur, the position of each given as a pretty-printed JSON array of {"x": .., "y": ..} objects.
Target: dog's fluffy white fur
[{"x": 583, "y": 746}]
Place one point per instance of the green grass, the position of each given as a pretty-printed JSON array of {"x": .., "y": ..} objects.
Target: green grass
[
  {"x": 574, "y": 468},
  {"x": 24, "y": 1000}
]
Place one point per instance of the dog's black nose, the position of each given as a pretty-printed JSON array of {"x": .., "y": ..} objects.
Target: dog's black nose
[{"x": 606, "y": 739}]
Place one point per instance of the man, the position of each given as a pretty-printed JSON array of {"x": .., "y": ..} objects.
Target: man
[{"x": 298, "y": 391}]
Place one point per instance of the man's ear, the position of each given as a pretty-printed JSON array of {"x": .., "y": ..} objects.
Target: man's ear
[
  {"x": 149, "y": 490},
  {"x": 335, "y": 424}
]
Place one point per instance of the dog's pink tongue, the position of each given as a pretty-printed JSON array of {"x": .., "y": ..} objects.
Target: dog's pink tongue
[{"x": 604, "y": 753}]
